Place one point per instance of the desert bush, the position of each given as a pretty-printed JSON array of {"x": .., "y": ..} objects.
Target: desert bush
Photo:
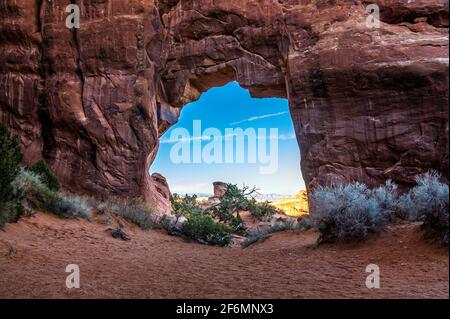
[
  {"x": 202, "y": 227},
  {"x": 346, "y": 213},
  {"x": 428, "y": 202},
  {"x": 29, "y": 189},
  {"x": 387, "y": 198},
  {"x": 47, "y": 177},
  {"x": 69, "y": 206},
  {"x": 135, "y": 210},
  {"x": 105, "y": 219},
  {"x": 10, "y": 157},
  {"x": 102, "y": 208},
  {"x": 283, "y": 224}
]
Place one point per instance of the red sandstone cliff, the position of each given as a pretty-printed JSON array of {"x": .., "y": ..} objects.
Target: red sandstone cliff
[{"x": 367, "y": 103}]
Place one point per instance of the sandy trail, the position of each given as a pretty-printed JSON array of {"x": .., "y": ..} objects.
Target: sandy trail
[{"x": 155, "y": 265}]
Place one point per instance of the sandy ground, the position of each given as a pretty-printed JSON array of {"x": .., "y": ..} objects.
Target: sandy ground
[{"x": 155, "y": 265}]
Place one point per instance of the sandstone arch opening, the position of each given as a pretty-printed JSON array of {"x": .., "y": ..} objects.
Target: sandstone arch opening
[{"x": 231, "y": 110}]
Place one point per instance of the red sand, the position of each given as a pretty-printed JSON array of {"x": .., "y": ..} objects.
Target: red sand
[{"x": 155, "y": 265}]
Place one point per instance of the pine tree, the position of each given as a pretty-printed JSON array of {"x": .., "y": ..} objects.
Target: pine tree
[{"x": 10, "y": 158}]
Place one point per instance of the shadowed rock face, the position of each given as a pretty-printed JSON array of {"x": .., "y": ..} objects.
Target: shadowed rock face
[{"x": 368, "y": 104}]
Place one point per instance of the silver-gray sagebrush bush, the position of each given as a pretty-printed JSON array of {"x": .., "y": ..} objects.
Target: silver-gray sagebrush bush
[
  {"x": 428, "y": 202},
  {"x": 134, "y": 210},
  {"x": 30, "y": 189},
  {"x": 347, "y": 213}
]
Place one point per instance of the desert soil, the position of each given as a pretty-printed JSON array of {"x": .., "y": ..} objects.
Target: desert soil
[{"x": 34, "y": 254}]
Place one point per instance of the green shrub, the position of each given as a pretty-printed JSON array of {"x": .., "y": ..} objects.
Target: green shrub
[
  {"x": 10, "y": 157},
  {"x": 428, "y": 201},
  {"x": 47, "y": 176},
  {"x": 29, "y": 189},
  {"x": 10, "y": 212},
  {"x": 233, "y": 200},
  {"x": 185, "y": 205},
  {"x": 224, "y": 210},
  {"x": 203, "y": 228},
  {"x": 238, "y": 194},
  {"x": 262, "y": 211}
]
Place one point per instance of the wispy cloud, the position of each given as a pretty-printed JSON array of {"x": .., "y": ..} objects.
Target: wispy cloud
[
  {"x": 280, "y": 137},
  {"x": 287, "y": 137},
  {"x": 185, "y": 140},
  {"x": 255, "y": 118}
]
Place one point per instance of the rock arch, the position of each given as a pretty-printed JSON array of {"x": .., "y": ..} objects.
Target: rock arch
[{"x": 367, "y": 104}]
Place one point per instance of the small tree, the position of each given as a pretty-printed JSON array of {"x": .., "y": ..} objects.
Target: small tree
[
  {"x": 10, "y": 157},
  {"x": 185, "y": 206},
  {"x": 236, "y": 199}
]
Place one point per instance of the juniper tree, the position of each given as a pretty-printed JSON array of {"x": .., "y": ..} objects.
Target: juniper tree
[{"x": 10, "y": 158}]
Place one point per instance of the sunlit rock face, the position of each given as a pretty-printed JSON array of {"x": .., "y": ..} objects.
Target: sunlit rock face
[{"x": 368, "y": 104}]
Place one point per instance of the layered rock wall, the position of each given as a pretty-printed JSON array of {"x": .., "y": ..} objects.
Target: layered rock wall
[{"x": 367, "y": 104}]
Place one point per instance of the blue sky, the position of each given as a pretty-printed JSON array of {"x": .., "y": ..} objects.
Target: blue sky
[{"x": 224, "y": 107}]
